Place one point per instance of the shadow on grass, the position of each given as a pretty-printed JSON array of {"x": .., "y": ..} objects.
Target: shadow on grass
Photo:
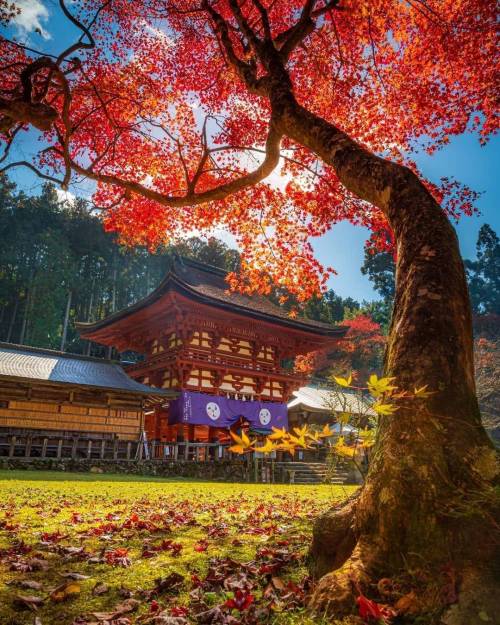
[{"x": 33, "y": 475}]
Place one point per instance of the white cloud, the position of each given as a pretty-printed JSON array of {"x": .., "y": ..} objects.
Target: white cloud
[
  {"x": 158, "y": 33},
  {"x": 32, "y": 15},
  {"x": 65, "y": 196}
]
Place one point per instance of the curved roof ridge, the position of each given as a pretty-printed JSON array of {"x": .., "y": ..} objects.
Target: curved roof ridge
[{"x": 207, "y": 284}]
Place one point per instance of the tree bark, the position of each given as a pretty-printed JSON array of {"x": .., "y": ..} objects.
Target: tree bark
[
  {"x": 66, "y": 319},
  {"x": 12, "y": 320},
  {"x": 427, "y": 502}
]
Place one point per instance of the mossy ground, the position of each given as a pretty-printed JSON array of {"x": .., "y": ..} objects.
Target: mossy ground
[{"x": 235, "y": 520}]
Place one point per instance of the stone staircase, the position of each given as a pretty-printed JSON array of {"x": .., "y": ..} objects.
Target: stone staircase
[{"x": 312, "y": 473}]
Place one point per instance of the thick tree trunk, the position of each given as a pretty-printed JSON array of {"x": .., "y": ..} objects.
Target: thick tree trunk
[{"x": 427, "y": 502}]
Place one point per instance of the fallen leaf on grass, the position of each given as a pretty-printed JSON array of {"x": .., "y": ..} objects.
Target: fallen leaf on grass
[
  {"x": 171, "y": 583},
  {"x": 29, "y": 602},
  {"x": 407, "y": 604},
  {"x": 125, "y": 592},
  {"x": 166, "y": 619},
  {"x": 100, "y": 589},
  {"x": 240, "y": 601},
  {"x": 117, "y": 557},
  {"x": 31, "y": 584},
  {"x": 74, "y": 575},
  {"x": 30, "y": 564},
  {"x": 371, "y": 610},
  {"x": 65, "y": 591},
  {"x": 129, "y": 605},
  {"x": 201, "y": 546},
  {"x": 278, "y": 583}
]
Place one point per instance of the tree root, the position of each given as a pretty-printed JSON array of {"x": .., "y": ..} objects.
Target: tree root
[
  {"x": 476, "y": 601},
  {"x": 334, "y": 538},
  {"x": 336, "y": 592}
]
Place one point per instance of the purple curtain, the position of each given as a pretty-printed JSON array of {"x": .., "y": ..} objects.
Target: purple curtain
[{"x": 220, "y": 412}]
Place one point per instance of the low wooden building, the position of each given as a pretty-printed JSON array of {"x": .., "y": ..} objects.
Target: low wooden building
[
  {"x": 320, "y": 406},
  {"x": 61, "y": 395}
]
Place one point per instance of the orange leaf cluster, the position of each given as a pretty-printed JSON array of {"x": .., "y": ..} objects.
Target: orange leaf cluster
[{"x": 156, "y": 103}]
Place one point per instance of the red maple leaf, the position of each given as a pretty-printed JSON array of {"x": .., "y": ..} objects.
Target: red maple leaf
[
  {"x": 241, "y": 601},
  {"x": 370, "y": 610}
]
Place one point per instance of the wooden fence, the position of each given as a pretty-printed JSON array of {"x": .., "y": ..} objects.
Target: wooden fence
[
  {"x": 22, "y": 448},
  {"x": 74, "y": 447}
]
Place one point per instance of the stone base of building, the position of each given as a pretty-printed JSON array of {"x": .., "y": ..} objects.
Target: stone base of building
[{"x": 224, "y": 471}]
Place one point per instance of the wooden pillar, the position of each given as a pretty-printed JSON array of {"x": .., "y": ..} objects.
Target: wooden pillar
[
  {"x": 129, "y": 450},
  {"x": 59, "y": 448},
  {"x": 89, "y": 449},
  {"x": 115, "y": 449},
  {"x": 27, "y": 449},
  {"x": 103, "y": 448},
  {"x": 73, "y": 448},
  {"x": 12, "y": 446},
  {"x": 44, "y": 447}
]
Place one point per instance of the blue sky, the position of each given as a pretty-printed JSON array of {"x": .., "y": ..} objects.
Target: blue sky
[{"x": 342, "y": 247}]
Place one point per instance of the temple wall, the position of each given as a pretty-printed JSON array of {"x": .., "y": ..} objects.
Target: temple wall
[{"x": 49, "y": 409}]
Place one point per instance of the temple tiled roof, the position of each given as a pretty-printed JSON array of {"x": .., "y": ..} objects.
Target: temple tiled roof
[
  {"x": 44, "y": 365},
  {"x": 207, "y": 284},
  {"x": 314, "y": 399}
]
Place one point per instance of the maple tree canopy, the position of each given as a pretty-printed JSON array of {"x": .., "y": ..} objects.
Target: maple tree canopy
[{"x": 172, "y": 108}]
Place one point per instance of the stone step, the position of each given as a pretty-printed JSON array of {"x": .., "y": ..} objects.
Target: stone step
[
  {"x": 300, "y": 464},
  {"x": 314, "y": 472}
]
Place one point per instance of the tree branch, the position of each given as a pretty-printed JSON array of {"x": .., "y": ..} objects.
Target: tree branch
[
  {"x": 30, "y": 166},
  {"x": 191, "y": 198},
  {"x": 246, "y": 71},
  {"x": 287, "y": 41}
]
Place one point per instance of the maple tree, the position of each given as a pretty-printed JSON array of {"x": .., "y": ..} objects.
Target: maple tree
[
  {"x": 180, "y": 109},
  {"x": 362, "y": 349}
]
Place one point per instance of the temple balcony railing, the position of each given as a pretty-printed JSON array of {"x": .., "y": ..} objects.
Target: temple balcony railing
[{"x": 200, "y": 357}]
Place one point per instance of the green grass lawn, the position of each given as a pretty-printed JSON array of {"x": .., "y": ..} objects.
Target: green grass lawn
[{"x": 124, "y": 532}]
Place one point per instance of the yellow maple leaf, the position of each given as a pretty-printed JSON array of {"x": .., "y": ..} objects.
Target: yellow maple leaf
[
  {"x": 384, "y": 409},
  {"x": 342, "y": 449},
  {"x": 378, "y": 386},
  {"x": 343, "y": 381},
  {"x": 299, "y": 441},
  {"x": 301, "y": 432},
  {"x": 278, "y": 434},
  {"x": 348, "y": 452},
  {"x": 344, "y": 418},
  {"x": 368, "y": 437},
  {"x": 242, "y": 441},
  {"x": 287, "y": 445},
  {"x": 326, "y": 432},
  {"x": 237, "y": 449},
  {"x": 422, "y": 392},
  {"x": 267, "y": 448}
]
